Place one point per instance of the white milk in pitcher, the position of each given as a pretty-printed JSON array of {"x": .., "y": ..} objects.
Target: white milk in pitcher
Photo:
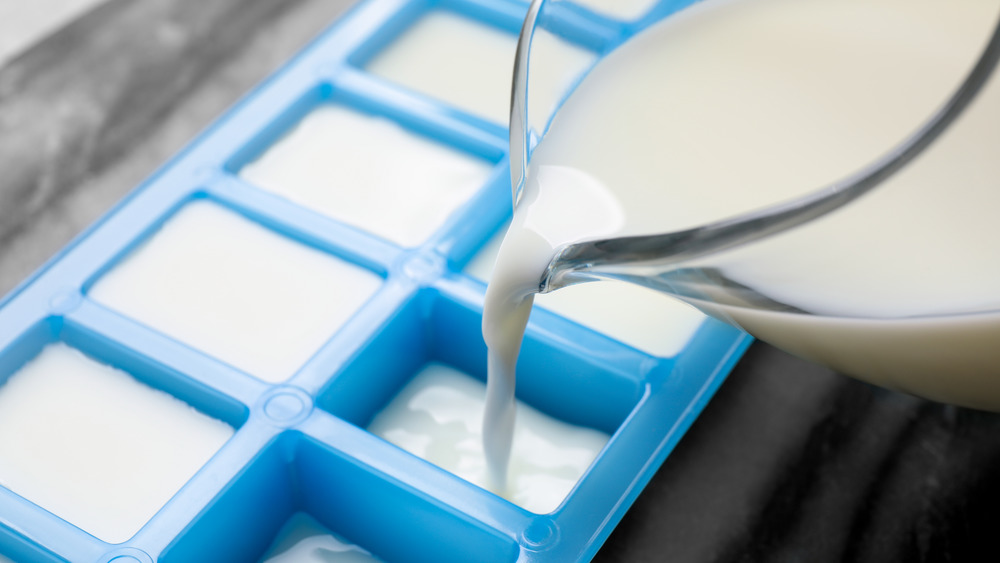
[{"x": 731, "y": 106}]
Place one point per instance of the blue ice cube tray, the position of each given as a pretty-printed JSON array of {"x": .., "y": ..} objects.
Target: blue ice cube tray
[{"x": 301, "y": 445}]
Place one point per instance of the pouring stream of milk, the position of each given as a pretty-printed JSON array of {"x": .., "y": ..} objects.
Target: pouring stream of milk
[
  {"x": 754, "y": 102},
  {"x": 539, "y": 227}
]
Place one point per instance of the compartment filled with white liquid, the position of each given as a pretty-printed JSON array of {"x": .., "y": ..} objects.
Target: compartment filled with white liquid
[
  {"x": 236, "y": 290},
  {"x": 619, "y": 9},
  {"x": 476, "y": 77},
  {"x": 298, "y": 483},
  {"x": 370, "y": 172},
  {"x": 420, "y": 385},
  {"x": 95, "y": 446}
]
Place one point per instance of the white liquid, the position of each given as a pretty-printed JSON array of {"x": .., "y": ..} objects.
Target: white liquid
[
  {"x": 96, "y": 447},
  {"x": 303, "y": 540},
  {"x": 438, "y": 417},
  {"x": 620, "y": 9},
  {"x": 650, "y": 321},
  {"x": 755, "y": 102},
  {"x": 470, "y": 65},
  {"x": 242, "y": 293},
  {"x": 369, "y": 172}
]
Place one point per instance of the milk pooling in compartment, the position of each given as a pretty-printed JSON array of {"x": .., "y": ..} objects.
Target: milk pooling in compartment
[
  {"x": 438, "y": 417},
  {"x": 756, "y": 102},
  {"x": 304, "y": 540}
]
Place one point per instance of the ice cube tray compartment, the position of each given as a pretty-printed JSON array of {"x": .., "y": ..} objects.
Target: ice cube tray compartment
[
  {"x": 297, "y": 472},
  {"x": 437, "y": 327},
  {"x": 300, "y": 443}
]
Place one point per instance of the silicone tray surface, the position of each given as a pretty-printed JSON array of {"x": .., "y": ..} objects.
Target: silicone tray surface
[{"x": 300, "y": 445}]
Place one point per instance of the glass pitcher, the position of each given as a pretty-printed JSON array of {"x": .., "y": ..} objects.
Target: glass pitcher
[{"x": 736, "y": 147}]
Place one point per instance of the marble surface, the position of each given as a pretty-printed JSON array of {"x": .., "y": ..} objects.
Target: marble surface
[
  {"x": 789, "y": 462},
  {"x": 22, "y": 24}
]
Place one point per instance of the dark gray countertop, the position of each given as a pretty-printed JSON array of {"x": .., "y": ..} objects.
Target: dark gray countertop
[{"x": 789, "y": 462}]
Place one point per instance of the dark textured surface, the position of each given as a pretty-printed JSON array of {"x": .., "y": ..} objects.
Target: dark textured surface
[{"x": 789, "y": 462}]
